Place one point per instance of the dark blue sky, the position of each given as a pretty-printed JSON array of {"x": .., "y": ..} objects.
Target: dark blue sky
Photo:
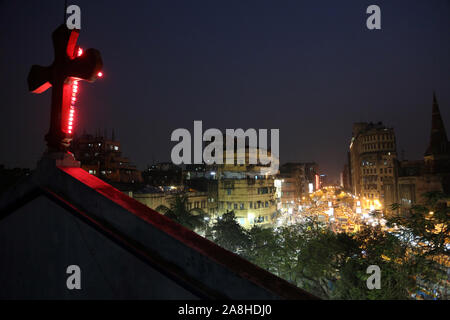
[{"x": 309, "y": 68}]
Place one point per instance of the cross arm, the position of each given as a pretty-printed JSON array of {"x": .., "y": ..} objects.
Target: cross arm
[
  {"x": 87, "y": 66},
  {"x": 39, "y": 79}
]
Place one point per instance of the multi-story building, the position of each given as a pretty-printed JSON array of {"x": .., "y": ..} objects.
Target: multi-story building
[
  {"x": 430, "y": 174},
  {"x": 323, "y": 181},
  {"x": 159, "y": 200},
  {"x": 373, "y": 165},
  {"x": 296, "y": 181},
  {"x": 103, "y": 158},
  {"x": 203, "y": 178},
  {"x": 248, "y": 193},
  {"x": 345, "y": 178},
  {"x": 290, "y": 194},
  {"x": 246, "y": 189},
  {"x": 163, "y": 174}
]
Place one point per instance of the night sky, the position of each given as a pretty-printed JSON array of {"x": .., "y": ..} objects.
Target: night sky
[{"x": 309, "y": 68}]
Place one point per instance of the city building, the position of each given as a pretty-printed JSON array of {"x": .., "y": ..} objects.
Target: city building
[
  {"x": 163, "y": 174},
  {"x": 345, "y": 178},
  {"x": 296, "y": 181},
  {"x": 323, "y": 181},
  {"x": 102, "y": 157},
  {"x": 161, "y": 200},
  {"x": 203, "y": 178},
  {"x": 373, "y": 159},
  {"x": 248, "y": 190},
  {"x": 432, "y": 173}
]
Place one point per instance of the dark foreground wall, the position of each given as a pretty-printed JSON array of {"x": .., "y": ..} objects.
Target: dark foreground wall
[
  {"x": 63, "y": 216},
  {"x": 41, "y": 239}
]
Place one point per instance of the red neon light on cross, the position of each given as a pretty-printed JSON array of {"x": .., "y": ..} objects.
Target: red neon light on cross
[{"x": 71, "y": 118}]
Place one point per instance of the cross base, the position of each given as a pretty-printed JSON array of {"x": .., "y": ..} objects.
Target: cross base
[
  {"x": 57, "y": 143},
  {"x": 58, "y": 159}
]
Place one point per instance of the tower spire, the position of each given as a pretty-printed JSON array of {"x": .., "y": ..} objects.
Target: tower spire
[{"x": 438, "y": 136}]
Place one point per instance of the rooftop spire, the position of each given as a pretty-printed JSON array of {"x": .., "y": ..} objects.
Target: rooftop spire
[{"x": 438, "y": 137}]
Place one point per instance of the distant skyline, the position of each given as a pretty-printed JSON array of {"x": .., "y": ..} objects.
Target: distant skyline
[{"x": 308, "y": 68}]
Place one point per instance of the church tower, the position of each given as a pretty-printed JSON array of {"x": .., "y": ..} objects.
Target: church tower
[{"x": 438, "y": 150}]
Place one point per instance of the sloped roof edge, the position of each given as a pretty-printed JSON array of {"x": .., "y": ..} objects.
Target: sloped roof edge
[{"x": 75, "y": 186}]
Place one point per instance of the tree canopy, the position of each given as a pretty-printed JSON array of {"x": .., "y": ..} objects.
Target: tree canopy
[{"x": 193, "y": 219}]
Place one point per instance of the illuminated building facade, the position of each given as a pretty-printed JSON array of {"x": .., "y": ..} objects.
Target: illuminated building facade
[
  {"x": 373, "y": 165},
  {"x": 248, "y": 190},
  {"x": 297, "y": 180},
  {"x": 158, "y": 200}
]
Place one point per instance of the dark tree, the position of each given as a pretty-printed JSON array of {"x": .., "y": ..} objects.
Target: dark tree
[
  {"x": 192, "y": 219},
  {"x": 229, "y": 234}
]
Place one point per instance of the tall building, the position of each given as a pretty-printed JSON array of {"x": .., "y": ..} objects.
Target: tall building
[
  {"x": 102, "y": 157},
  {"x": 437, "y": 155},
  {"x": 345, "y": 178},
  {"x": 373, "y": 165},
  {"x": 296, "y": 181},
  {"x": 247, "y": 190},
  {"x": 432, "y": 173},
  {"x": 203, "y": 178}
]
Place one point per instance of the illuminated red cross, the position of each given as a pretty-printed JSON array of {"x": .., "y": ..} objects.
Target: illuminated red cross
[{"x": 70, "y": 65}]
